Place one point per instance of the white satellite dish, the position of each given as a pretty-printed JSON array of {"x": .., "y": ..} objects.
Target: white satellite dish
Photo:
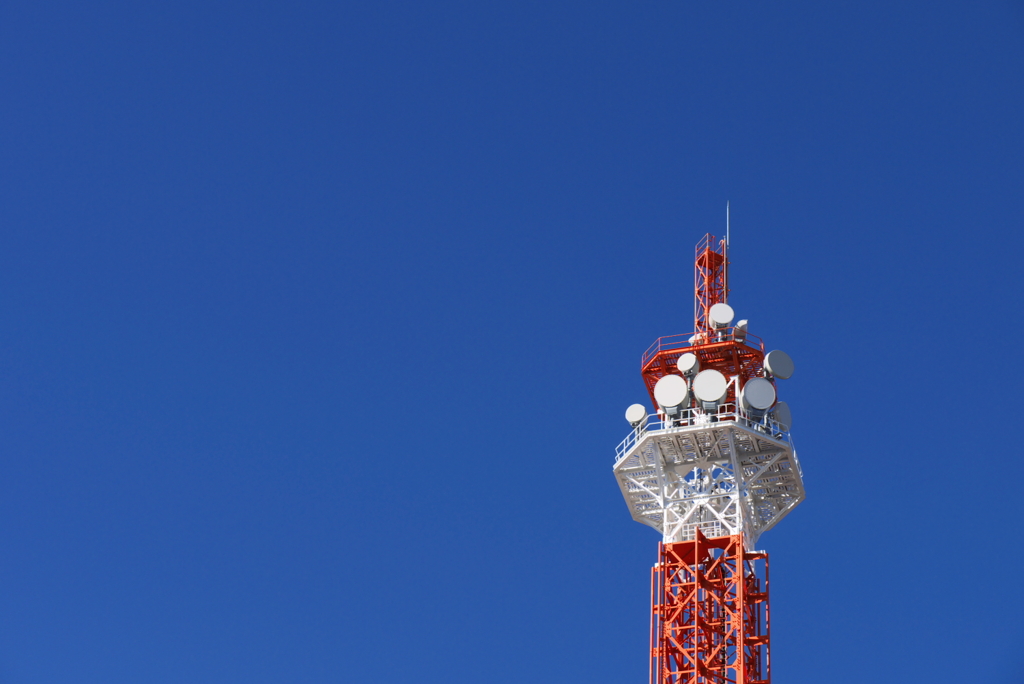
[
  {"x": 779, "y": 364},
  {"x": 758, "y": 394},
  {"x": 721, "y": 315},
  {"x": 739, "y": 333},
  {"x": 671, "y": 392},
  {"x": 688, "y": 364},
  {"x": 636, "y": 414},
  {"x": 710, "y": 387},
  {"x": 782, "y": 414}
]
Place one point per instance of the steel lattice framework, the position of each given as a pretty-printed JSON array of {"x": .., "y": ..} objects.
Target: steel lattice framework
[
  {"x": 723, "y": 475},
  {"x": 711, "y": 477},
  {"x": 725, "y": 351},
  {"x": 711, "y": 284},
  {"x": 709, "y": 623}
]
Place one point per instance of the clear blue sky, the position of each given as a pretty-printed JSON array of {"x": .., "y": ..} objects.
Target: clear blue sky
[{"x": 318, "y": 320}]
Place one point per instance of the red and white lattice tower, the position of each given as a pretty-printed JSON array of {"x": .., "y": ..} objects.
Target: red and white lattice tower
[{"x": 712, "y": 469}]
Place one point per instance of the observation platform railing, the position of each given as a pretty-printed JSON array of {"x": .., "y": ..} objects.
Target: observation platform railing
[
  {"x": 694, "y": 417},
  {"x": 681, "y": 341}
]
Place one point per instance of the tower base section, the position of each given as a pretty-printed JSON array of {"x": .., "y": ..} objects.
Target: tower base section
[{"x": 709, "y": 622}]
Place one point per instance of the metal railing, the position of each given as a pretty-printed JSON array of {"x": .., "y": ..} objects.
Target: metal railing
[
  {"x": 684, "y": 340},
  {"x": 694, "y": 417}
]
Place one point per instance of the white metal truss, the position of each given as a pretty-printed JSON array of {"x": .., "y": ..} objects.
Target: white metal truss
[{"x": 722, "y": 474}]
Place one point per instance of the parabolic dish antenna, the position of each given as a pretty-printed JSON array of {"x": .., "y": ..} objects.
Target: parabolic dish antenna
[
  {"x": 688, "y": 364},
  {"x": 709, "y": 386},
  {"x": 721, "y": 315},
  {"x": 636, "y": 414},
  {"x": 758, "y": 394},
  {"x": 671, "y": 391},
  {"x": 782, "y": 414},
  {"x": 779, "y": 364}
]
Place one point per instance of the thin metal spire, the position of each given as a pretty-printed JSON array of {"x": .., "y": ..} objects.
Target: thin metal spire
[{"x": 725, "y": 267}]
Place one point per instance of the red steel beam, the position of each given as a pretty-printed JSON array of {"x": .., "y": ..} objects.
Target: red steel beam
[
  {"x": 710, "y": 280},
  {"x": 709, "y": 622}
]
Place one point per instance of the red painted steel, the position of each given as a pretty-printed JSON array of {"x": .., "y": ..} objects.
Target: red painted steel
[
  {"x": 723, "y": 350},
  {"x": 709, "y": 622},
  {"x": 710, "y": 276},
  {"x": 709, "y": 597}
]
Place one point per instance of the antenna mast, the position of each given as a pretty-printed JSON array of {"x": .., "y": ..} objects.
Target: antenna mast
[
  {"x": 726, "y": 300},
  {"x": 711, "y": 470}
]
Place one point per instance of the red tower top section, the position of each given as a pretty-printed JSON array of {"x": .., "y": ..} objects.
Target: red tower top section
[
  {"x": 710, "y": 279},
  {"x": 730, "y": 350}
]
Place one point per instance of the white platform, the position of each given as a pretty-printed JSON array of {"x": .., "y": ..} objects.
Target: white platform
[{"x": 723, "y": 474}]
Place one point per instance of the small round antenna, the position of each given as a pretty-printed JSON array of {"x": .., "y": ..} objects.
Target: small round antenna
[
  {"x": 782, "y": 415},
  {"x": 779, "y": 364},
  {"x": 739, "y": 332},
  {"x": 636, "y": 415},
  {"x": 721, "y": 315},
  {"x": 688, "y": 364},
  {"x": 671, "y": 392},
  {"x": 710, "y": 387},
  {"x": 758, "y": 394}
]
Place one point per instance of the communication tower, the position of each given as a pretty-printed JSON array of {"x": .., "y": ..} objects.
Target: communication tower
[{"x": 712, "y": 469}]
